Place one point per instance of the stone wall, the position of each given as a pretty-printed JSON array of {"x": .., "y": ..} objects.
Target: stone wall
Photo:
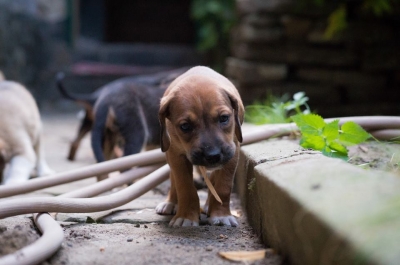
[{"x": 279, "y": 47}]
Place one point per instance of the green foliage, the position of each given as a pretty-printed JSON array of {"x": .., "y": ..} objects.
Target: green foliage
[
  {"x": 276, "y": 110},
  {"x": 214, "y": 20},
  {"x": 212, "y": 17},
  {"x": 337, "y": 21},
  {"x": 378, "y": 7},
  {"x": 328, "y": 138}
]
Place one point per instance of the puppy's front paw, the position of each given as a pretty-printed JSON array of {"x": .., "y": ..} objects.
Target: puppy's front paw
[
  {"x": 178, "y": 222},
  {"x": 228, "y": 220},
  {"x": 166, "y": 208}
]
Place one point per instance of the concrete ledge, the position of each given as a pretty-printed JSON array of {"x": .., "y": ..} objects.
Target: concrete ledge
[{"x": 319, "y": 210}]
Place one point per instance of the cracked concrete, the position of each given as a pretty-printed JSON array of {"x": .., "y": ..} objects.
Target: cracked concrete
[{"x": 319, "y": 210}]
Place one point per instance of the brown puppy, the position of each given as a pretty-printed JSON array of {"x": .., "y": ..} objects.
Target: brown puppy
[{"x": 200, "y": 115}]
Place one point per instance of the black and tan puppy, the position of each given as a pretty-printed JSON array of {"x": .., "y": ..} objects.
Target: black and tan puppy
[
  {"x": 118, "y": 96},
  {"x": 201, "y": 114},
  {"x": 125, "y": 116}
]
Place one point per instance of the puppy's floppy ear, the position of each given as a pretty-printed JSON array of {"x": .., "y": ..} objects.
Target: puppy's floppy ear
[
  {"x": 162, "y": 115},
  {"x": 238, "y": 107}
]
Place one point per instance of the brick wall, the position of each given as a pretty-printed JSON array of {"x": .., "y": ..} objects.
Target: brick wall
[{"x": 279, "y": 47}]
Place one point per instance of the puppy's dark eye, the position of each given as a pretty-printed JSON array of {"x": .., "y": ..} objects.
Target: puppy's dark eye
[
  {"x": 224, "y": 119},
  {"x": 186, "y": 127}
]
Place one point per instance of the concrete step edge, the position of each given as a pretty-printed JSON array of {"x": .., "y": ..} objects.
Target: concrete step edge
[{"x": 319, "y": 210}]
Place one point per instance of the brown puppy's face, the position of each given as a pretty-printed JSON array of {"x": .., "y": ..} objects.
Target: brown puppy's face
[{"x": 203, "y": 125}]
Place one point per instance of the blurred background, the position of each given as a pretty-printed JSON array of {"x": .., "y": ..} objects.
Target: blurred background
[{"x": 343, "y": 54}]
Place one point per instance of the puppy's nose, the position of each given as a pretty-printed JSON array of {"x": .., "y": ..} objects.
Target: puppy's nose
[{"x": 212, "y": 156}]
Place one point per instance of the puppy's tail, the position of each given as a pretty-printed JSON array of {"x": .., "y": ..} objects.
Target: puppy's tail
[{"x": 87, "y": 100}]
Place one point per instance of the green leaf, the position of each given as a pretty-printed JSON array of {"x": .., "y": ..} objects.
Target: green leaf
[
  {"x": 299, "y": 99},
  {"x": 213, "y": 7},
  {"x": 326, "y": 137},
  {"x": 316, "y": 142},
  {"x": 331, "y": 131},
  {"x": 378, "y": 7},
  {"x": 309, "y": 124},
  {"x": 208, "y": 35},
  {"x": 338, "y": 147},
  {"x": 336, "y": 22},
  {"x": 352, "y": 134},
  {"x": 299, "y": 95},
  {"x": 260, "y": 114},
  {"x": 319, "y": 2},
  {"x": 334, "y": 154}
]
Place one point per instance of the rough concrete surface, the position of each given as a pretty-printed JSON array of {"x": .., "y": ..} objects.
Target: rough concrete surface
[
  {"x": 131, "y": 234},
  {"x": 325, "y": 211}
]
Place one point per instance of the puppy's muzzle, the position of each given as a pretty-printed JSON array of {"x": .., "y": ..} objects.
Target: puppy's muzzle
[{"x": 211, "y": 156}]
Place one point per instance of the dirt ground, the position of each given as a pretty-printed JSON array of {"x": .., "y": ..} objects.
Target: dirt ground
[
  {"x": 134, "y": 234},
  {"x": 373, "y": 155}
]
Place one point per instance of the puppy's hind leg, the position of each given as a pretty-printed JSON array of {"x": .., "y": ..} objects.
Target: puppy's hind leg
[
  {"x": 103, "y": 115},
  {"x": 19, "y": 170},
  {"x": 134, "y": 131},
  {"x": 84, "y": 128},
  {"x": 42, "y": 168}
]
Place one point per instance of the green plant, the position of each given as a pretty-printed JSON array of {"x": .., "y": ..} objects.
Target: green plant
[
  {"x": 337, "y": 20},
  {"x": 214, "y": 20},
  {"x": 277, "y": 110},
  {"x": 329, "y": 138}
]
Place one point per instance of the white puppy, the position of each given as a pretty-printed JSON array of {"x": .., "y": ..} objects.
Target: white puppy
[{"x": 20, "y": 132}]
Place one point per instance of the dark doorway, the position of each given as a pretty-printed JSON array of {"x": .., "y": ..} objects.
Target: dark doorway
[{"x": 149, "y": 21}]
